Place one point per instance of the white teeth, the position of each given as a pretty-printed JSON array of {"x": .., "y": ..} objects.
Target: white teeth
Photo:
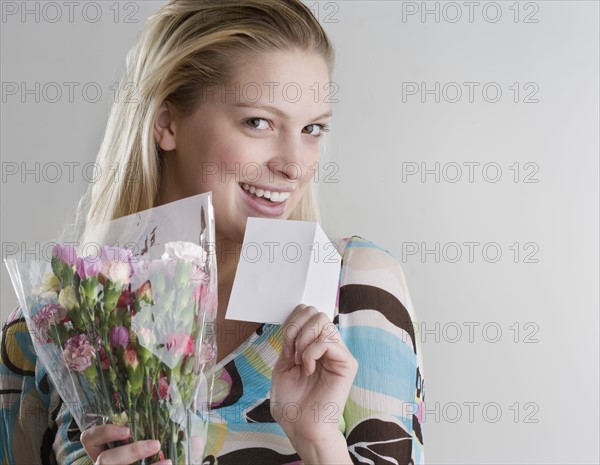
[{"x": 275, "y": 197}]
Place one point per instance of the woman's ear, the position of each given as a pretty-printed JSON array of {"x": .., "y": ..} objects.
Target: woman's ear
[{"x": 164, "y": 127}]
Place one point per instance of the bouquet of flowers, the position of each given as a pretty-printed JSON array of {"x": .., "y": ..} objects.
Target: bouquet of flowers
[{"x": 126, "y": 339}]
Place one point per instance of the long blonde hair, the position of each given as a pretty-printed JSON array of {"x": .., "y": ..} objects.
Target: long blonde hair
[{"x": 184, "y": 47}]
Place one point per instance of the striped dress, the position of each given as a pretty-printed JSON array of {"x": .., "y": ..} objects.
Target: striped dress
[{"x": 382, "y": 419}]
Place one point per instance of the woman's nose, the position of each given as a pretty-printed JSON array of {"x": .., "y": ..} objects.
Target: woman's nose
[{"x": 291, "y": 159}]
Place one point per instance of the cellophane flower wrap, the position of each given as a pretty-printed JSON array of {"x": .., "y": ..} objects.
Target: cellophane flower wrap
[{"x": 126, "y": 332}]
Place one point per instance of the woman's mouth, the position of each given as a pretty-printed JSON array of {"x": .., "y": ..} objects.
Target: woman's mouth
[
  {"x": 272, "y": 196},
  {"x": 268, "y": 203}
]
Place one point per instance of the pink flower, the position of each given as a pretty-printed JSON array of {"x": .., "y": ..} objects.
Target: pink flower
[
  {"x": 104, "y": 362},
  {"x": 65, "y": 253},
  {"x": 163, "y": 388},
  {"x": 117, "y": 264},
  {"x": 135, "y": 371},
  {"x": 119, "y": 336},
  {"x": 198, "y": 276},
  {"x": 180, "y": 343},
  {"x": 145, "y": 337},
  {"x": 130, "y": 358},
  {"x": 47, "y": 316},
  {"x": 207, "y": 354},
  {"x": 206, "y": 299},
  {"x": 79, "y": 353}
]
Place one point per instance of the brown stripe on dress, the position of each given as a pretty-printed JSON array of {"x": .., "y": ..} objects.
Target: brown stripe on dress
[{"x": 356, "y": 297}]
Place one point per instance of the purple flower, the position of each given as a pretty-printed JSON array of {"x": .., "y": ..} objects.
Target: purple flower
[
  {"x": 116, "y": 254},
  {"x": 48, "y": 315},
  {"x": 88, "y": 266},
  {"x": 119, "y": 335},
  {"x": 65, "y": 253},
  {"x": 79, "y": 353}
]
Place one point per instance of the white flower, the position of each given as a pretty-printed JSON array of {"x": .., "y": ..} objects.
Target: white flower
[
  {"x": 67, "y": 297},
  {"x": 117, "y": 272},
  {"x": 51, "y": 282},
  {"x": 117, "y": 264},
  {"x": 41, "y": 294},
  {"x": 184, "y": 250}
]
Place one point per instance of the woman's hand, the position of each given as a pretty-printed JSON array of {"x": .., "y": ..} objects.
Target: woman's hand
[
  {"x": 94, "y": 442},
  {"x": 311, "y": 379}
]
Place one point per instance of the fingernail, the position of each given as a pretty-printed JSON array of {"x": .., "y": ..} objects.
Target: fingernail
[
  {"x": 153, "y": 446},
  {"x": 164, "y": 462},
  {"x": 296, "y": 358},
  {"x": 286, "y": 351},
  {"x": 123, "y": 431}
]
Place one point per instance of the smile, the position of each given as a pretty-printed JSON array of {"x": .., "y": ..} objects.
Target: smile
[{"x": 273, "y": 197}]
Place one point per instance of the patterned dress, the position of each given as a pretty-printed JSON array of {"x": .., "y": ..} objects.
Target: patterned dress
[{"x": 381, "y": 420}]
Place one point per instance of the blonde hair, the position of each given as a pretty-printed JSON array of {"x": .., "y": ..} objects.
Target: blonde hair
[{"x": 184, "y": 47}]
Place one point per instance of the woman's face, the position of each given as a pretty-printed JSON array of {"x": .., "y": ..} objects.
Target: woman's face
[{"x": 260, "y": 132}]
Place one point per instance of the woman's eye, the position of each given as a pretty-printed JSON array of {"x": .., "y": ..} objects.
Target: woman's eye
[
  {"x": 251, "y": 122},
  {"x": 321, "y": 129},
  {"x": 315, "y": 130}
]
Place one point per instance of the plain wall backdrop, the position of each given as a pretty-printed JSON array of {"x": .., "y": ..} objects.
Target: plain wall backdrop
[{"x": 464, "y": 141}]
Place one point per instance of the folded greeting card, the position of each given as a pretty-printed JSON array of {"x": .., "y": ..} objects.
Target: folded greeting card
[{"x": 282, "y": 264}]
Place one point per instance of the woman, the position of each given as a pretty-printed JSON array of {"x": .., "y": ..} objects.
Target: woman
[{"x": 222, "y": 87}]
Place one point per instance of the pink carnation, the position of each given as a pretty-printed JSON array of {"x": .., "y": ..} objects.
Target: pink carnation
[
  {"x": 117, "y": 264},
  {"x": 163, "y": 388},
  {"x": 207, "y": 353},
  {"x": 130, "y": 358},
  {"x": 206, "y": 299},
  {"x": 180, "y": 343},
  {"x": 79, "y": 353},
  {"x": 198, "y": 276},
  {"x": 47, "y": 316}
]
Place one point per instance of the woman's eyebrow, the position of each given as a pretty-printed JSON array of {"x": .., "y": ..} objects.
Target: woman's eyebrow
[{"x": 276, "y": 111}]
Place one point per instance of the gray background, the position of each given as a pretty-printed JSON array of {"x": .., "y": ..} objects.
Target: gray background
[{"x": 528, "y": 394}]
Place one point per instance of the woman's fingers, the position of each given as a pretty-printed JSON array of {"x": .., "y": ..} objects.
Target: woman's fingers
[
  {"x": 94, "y": 442},
  {"x": 293, "y": 326},
  {"x": 128, "y": 454},
  {"x": 303, "y": 327},
  {"x": 339, "y": 359},
  {"x": 313, "y": 353},
  {"x": 94, "y": 439},
  {"x": 310, "y": 332}
]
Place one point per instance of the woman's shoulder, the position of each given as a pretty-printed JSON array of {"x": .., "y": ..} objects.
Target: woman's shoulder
[
  {"x": 373, "y": 291},
  {"x": 355, "y": 240},
  {"x": 364, "y": 260}
]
